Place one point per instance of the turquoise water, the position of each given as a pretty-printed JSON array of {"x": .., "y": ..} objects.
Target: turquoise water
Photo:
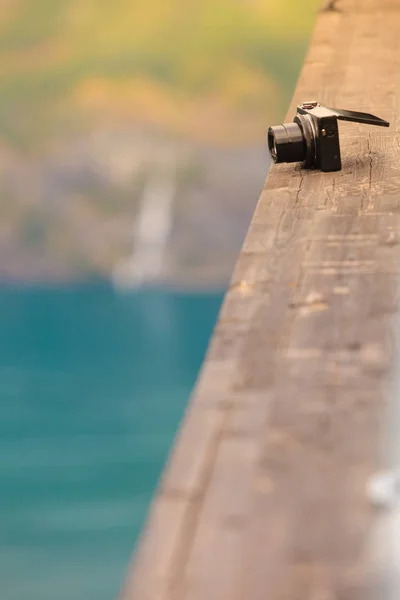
[{"x": 92, "y": 387}]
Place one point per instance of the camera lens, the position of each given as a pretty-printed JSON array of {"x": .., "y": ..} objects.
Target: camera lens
[{"x": 287, "y": 143}]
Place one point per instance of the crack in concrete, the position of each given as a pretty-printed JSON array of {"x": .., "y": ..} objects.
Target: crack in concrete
[
  {"x": 370, "y": 160},
  {"x": 296, "y": 202},
  {"x": 367, "y": 194}
]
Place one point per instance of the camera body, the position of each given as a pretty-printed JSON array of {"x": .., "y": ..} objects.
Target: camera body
[
  {"x": 313, "y": 137},
  {"x": 324, "y": 138}
]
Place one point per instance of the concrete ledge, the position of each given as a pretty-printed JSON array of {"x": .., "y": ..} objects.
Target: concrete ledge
[{"x": 265, "y": 492}]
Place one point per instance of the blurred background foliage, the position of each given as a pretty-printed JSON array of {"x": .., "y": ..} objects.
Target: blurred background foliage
[
  {"x": 214, "y": 69},
  {"x": 100, "y": 101}
]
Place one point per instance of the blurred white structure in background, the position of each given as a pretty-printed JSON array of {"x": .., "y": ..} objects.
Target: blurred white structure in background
[{"x": 152, "y": 229}]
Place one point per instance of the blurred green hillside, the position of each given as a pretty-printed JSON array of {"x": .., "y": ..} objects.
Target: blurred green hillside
[
  {"x": 211, "y": 69},
  {"x": 101, "y": 102}
]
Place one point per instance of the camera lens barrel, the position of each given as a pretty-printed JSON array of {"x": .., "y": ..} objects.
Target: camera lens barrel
[{"x": 287, "y": 143}]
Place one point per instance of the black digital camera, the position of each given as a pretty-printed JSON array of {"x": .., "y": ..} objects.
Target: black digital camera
[{"x": 313, "y": 137}]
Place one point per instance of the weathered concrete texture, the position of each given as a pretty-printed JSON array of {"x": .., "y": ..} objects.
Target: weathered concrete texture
[{"x": 265, "y": 492}]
